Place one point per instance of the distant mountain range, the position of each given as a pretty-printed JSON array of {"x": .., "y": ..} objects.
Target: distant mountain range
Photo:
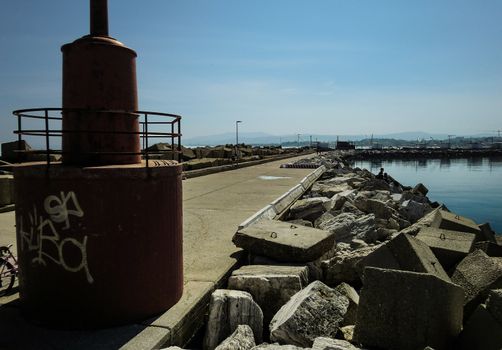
[{"x": 261, "y": 138}]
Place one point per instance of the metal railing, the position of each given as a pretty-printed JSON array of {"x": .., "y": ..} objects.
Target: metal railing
[{"x": 149, "y": 123}]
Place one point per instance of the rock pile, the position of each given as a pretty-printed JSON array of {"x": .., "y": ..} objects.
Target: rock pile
[{"x": 358, "y": 263}]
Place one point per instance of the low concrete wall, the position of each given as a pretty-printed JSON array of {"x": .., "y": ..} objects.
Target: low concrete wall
[
  {"x": 280, "y": 205},
  {"x": 211, "y": 170}
]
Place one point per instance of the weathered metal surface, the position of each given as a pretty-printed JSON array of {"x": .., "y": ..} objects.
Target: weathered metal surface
[
  {"x": 99, "y": 17},
  {"x": 99, "y": 246},
  {"x": 99, "y": 73}
]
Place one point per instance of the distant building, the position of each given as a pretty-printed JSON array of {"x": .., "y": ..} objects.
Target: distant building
[
  {"x": 344, "y": 145},
  {"x": 497, "y": 145},
  {"x": 323, "y": 146},
  {"x": 474, "y": 145}
]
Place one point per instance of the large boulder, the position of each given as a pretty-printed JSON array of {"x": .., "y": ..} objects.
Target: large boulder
[
  {"x": 414, "y": 210},
  {"x": 283, "y": 241},
  {"x": 227, "y": 310},
  {"x": 406, "y": 253},
  {"x": 343, "y": 267},
  {"x": 329, "y": 190},
  {"x": 241, "y": 339},
  {"x": 339, "y": 199},
  {"x": 374, "y": 206},
  {"x": 374, "y": 185},
  {"x": 270, "y": 285},
  {"x": 310, "y": 208},
  {"x": 351, "y": 294},
  {"x": 323, "y": 343},
  {"x": 407, "y": 310},
  {"x": 351, "y": 179},
  {"x": 477, "y": 274},
  {"x": 316, "y": 311},
  {"x": 420, "y": 189},
  {"x": 347, "y": 226}
]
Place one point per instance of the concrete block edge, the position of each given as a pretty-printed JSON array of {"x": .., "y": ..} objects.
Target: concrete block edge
[{"x": 283, "y": 201}]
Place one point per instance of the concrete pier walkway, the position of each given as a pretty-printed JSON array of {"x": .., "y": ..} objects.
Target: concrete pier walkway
[{"x": 213, "y": 207}]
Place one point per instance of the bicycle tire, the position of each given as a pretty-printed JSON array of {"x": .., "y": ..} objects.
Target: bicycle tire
[{"x": 7, "y": 276}]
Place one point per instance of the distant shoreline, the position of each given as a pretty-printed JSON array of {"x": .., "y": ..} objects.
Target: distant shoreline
[{"x": 420, "y": 153}]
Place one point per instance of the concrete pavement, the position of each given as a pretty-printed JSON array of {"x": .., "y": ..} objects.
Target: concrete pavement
[{"x": 214, "y": 205}]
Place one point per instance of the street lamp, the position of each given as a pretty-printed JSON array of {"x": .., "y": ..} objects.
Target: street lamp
[{"x": 237, "y": 138}]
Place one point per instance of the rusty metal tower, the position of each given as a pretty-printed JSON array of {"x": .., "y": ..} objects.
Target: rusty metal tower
[{"x": 99, "y": 234}]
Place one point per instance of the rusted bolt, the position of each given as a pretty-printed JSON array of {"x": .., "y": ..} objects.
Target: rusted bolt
[{"x": 273, "y": 235}]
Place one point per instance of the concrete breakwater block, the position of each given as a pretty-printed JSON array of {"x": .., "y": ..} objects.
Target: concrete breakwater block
[
  {"x": 270, "y": 285},
  {"x": 407, "y": 310},
  {"x": 448, "y": 246},
  {"x": 316, "y": 311},
  {"x": 406, "y": 253},
  {"x": 343, "y": 267},
  {"x": 227, "y": 310},
  {"x": 451, "y": 221},
  {"x": 477, "y": 273},
  {"x": 284, "y": 241},
  {"x": 481, "y": 332}
]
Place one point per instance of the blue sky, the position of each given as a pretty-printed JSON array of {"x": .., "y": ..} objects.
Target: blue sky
[{"x": 281, "y": 66}]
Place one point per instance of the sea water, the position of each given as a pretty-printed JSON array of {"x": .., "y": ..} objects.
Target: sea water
[{"x": 469, "y": 187}]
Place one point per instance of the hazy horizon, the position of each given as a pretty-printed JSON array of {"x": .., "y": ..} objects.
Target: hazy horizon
[{"x": 282, "y": 67}]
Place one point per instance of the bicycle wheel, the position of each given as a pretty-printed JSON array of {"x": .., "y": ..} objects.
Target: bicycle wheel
[{"x": 7, "y": 276}]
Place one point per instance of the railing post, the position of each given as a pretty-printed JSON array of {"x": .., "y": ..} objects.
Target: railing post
[
  {"x": 172, "y": 142},
  {"x": 143, "y": 135},
  {"x": 46, "y": 114},
  {"x": 180, "y": 158},
  {"x": 19, "y": 138},
  {"x": 146, "y": 138}
]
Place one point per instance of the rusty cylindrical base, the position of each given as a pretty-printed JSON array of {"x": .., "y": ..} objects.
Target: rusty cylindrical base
[
  {"x": 98, "y": 246},
  {"x": 99, "y": 74}
]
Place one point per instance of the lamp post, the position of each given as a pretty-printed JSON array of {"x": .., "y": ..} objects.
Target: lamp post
[{"x": 237, "y": 139}]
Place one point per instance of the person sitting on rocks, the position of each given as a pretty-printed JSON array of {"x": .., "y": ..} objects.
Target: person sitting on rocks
[
  {"x": 380, "y": 174},
  {"x": 386, "y": 177}
]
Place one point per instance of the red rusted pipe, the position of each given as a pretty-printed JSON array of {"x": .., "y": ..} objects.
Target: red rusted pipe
[{"x": 99, "y": 17}]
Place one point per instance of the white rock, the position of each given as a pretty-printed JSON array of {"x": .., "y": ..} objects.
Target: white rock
[
  {"x": 323, "y": 343},
  {"x": 315, "y": 311},
  {"x": 241, "y": 339},
  {"x": 227, "y": 310},
  {"x": 310, "y": 208},
  {"x": 343, "y": 266},
  {"x": 351, "y": 294},
  {"x": 347, "y": 226}
]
